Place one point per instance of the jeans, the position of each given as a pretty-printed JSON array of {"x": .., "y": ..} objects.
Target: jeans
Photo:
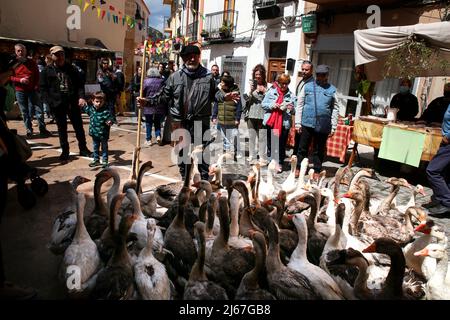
[
  {"x": 111, "y": 105},
  {"x": 150, "y": 120},
  {"x": 72, "y": 110},
  {"x": 230, "y": 136},
  {"x": 437, "y": 174},
  {"x": 29, "y": 104},
  {"x": 104, "y": 143},
  {"x": 257, "y": 139},
  {"x": 319, "y": 145}
]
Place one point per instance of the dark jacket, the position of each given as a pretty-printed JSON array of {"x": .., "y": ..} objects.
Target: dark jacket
[
  {"x": 108, "y": 84},
  {"x": 407, "y": 104},
  {"x": 176, "y": 94},
  {"x": 51, "y": 86},
  {"x": 97, "y": 121},
  {"x": 151, "y": 87},
  {"x": 227, "y": 112},
  {"x": 436, "y": 110}
]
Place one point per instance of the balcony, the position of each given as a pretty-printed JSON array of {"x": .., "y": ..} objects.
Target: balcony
[
  {"x": 264, "y": 3},
  {"x": 221, "y": 25},
  {"x": 166, "y": 22},
  {"x": 192, "y": 31}
]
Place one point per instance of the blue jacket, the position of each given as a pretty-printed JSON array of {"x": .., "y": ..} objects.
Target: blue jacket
[
  {"x": 321, "y": 112},
  {"x": 446, "y": 123},
  {"x": 269, "y": 102}
]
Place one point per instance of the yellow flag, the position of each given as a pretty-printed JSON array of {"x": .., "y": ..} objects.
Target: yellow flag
[
  {"x": 98, "y": 12},
  {"x": 92, "y": 2},
  {"x": 86, "y": 5}
]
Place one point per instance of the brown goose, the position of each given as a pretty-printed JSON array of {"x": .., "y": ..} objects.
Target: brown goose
[
  {"x": 227, "y": 264},
  {"x": 198, "y": 286},
  {"x": 116, "y": 280},
  {"x": 97, "y": 221},
  {"x": 249, "y": 288},
  {"x": 178, "y": 240},
  {"x": 285, "y": 283}
]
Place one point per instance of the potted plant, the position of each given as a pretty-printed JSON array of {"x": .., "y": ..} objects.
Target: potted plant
[
  {"x": 226, "y": 29},
  {"x": 204, "y": 33}
]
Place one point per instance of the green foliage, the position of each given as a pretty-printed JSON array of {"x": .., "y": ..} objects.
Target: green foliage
[
  {"x": 363, "y": 87},
  {"x": 411, "y": 58}
]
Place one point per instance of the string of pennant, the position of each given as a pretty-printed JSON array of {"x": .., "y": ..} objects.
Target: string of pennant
[
  {"x": 109, "y": 12},
  {"x": 161, "y": 46}
]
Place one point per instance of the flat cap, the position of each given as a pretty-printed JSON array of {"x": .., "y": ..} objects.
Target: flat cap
[
  {"x": 56, "y": 49},
  {"x": 189, "y": 49},
  {"x": 322, "y": 69}
]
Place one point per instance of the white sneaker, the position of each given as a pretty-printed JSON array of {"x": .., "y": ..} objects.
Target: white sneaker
[
  {"x": 158, "y": 140},
  {"x": 238, "y": 156},
  {"x": 148, "y": 143},
  {"x": 250, "y": 159}
]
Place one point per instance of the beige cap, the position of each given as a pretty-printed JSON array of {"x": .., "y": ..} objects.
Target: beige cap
[{"x": 56, "y": 49}]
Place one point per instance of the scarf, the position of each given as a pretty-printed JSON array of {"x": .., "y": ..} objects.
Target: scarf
[
  {"x": 199, "y": 73},
  {"x": 275, "y": 120}
]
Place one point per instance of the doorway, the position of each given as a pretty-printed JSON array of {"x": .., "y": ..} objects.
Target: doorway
[{"x": 277, "y": 59}]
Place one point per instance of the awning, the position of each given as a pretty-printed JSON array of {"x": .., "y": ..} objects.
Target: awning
[
  {"x": 372, "y": 46},
  {"x": 63, "y": 44}
]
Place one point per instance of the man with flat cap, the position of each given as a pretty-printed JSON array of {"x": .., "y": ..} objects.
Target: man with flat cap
[
  {"x": 316, "y": 116},
  {"x": 63, "y": 90},
  {"x": 189, "y": 93}
]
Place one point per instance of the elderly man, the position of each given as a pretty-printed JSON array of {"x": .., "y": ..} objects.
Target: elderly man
[
  {"x": 62, "y": 89},
  {"x": 26, "y": 82},
  {"x": 316, "y": 116},
  {"x": 189, "y": 92}
]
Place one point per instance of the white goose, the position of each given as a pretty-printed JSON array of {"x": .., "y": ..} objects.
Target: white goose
[
  {"x": 82, "y": 252},
  {"x": 150, "y": 275},
  {"x": 267, "y": 188},
  {"x": 319, "y": 279},
  {"x": 301, "y": 187},
  {"x": 290, "y": 184},
  {"x": 437, "y": 287},
  {"x": 412, "y": 200}
]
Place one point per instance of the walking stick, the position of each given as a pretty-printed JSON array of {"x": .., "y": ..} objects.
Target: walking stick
[{"x": 137, "y": 150}]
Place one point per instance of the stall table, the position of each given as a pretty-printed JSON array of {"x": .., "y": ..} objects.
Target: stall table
[
  {"x": 337, "y": 145},
  {"x": 369, "y": 131}
]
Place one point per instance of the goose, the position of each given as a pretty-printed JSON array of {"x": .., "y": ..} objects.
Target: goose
[
  {"x": 64, "y": 225},
  {"x": 385, "y": 206},
  {"x": 330, "y": 209},
  {"x": 227, "y": 264},
  {"x": 290, "y": 184},
  {"x": 245, "y": 223},
  {"x": 437, "y": 287},
  {"x": 424, "y": 264},
  {"x": 116, "y": 281},
  {"x": 236, "y": 240},
  {"x": 198, "y": 286},
  {"x": 178, "y": 240},
  {"x": 82, "y": 252},
  {"x": 139, "y": 227},
  {"x": 319, "y": 279},
  {"x": 266, "y": 188},
  {"x": 150, "y": 275},
  {"x": 216, "y": 171},
  {"x": 249, "y": 288},
  {"x": 335, "y": 182},
  {"x": 364, "y": 172},
  {"x": 97, "y": 221},
  {"x": 418, "y": 189},
  {"x": 285, "y": 283}
]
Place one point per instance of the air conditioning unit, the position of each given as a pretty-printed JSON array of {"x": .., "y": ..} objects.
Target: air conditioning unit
[{"x": 268, "y": 12}]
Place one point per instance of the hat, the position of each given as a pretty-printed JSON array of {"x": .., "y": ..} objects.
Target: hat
[
  {"x": 56, "y": 49},
  {"x": 189, "y": 49},
  {"x": 322, "y": 69}
]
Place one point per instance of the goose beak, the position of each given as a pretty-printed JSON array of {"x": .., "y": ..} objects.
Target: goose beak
[
  {"x": 347, "y": 195},
  {"x": 422, "y": 228},
  {"x": 196, "y": 185},
  {"x": 290, "y": 217},
  {"x": 371, "y": 248},
  {"x": 337, "y": 200},
  {"x": 422, "y": 192},
  {"x": 423, "y": 252},
  {"x": 268, "y": 202}
]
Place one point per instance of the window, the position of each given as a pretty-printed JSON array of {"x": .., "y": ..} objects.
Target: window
[
  {"x": 236, "y": 67},
  {"x": 228, "y": 12},
  {"x": 278, "y": 49}
]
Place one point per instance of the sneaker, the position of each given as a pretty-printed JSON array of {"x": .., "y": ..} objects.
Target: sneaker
[
  {"x": 148, "y": 143},
  {"x": 439, "y": 210},
  {"x": 85, "y": 153},
  {"x": 105, "y": 164},
  {"x": 432, "y": 203},
  {"x": 263, "y": 163},
  {"x": 158, "y": 140},
  {"x": 94, "y": 164},
  {"x": 45, "y": 133}
]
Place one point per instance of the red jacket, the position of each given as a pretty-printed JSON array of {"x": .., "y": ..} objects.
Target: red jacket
[{"x": 29, "y": 70}]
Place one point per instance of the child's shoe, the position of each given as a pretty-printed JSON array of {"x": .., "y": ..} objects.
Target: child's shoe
[{"x": 94, "y": 164}]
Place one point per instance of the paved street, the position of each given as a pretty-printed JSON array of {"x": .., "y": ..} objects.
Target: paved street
[{"x": 26, "y": 233}]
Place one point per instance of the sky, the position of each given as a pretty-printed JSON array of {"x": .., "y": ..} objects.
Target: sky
[{"x": 157, "y": 13}]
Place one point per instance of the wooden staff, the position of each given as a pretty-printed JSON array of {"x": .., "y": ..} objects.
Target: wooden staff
[{"x": 137, "y": 150}]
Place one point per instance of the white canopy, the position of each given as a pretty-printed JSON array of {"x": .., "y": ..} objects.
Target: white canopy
[{"x": 372, "y": 46}]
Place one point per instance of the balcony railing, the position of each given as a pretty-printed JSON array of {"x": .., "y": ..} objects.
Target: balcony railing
[
  {"x": 166, "y": 23},
  {"x": 192, "y": 31},
  {"x": 215, "y": 21}
]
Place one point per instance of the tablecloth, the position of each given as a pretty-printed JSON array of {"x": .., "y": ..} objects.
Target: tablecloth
[{"x": 337, "y": 144}]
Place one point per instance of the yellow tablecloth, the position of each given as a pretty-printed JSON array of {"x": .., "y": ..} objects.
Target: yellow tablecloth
[{"x": 371, "y": 133}]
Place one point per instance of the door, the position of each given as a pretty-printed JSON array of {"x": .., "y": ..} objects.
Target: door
[
  {"x": 236, "y": 66},
  {"x": 276, "y": 66}
]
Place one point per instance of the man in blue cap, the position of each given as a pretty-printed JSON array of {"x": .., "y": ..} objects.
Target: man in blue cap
[{"x": 316, "y": 116}]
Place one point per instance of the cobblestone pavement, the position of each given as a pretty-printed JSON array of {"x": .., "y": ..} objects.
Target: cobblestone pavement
[{"x": 25, "y": 234}]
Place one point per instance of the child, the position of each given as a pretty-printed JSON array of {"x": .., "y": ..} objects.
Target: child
[
  {"x": 100, "y": 119},
  {"x": 227, "y": 115}
]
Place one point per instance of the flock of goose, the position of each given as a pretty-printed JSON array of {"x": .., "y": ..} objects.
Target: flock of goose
[{"x": 253, "y": 239}]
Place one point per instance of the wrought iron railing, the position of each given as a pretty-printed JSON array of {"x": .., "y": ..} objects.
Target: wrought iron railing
[
  {"x": 218, "y": 22},
  {"x": 166, "y": 23},
  {"x": 192, "y": 31}
]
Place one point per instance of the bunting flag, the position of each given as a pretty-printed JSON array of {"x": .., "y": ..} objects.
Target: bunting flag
[
  {"x": 99, "y": 12},
  {"x": 103, "y": 14},
  {"x": 86, "y": 5},
  {"x": 109, "y": 16},
  {"x": 92, "y": 2}
]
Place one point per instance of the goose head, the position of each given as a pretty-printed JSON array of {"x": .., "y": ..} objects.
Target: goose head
[
  {"x": 433, "y": 250},
  {"x": 429, "y": 227},
  {"x": 326, "y": 192},
  {"x": 398, "y": 182},
  {"x": 79, "y": 180},
  {"x": 203, "y": 185},
  {"x": 294, "y": 161},
  {"x": 355, "y": 195},
  {"x": 348, "y": 256},
  {"x": 419, "y": 189},
  {"x": 385, "y": 246}
]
